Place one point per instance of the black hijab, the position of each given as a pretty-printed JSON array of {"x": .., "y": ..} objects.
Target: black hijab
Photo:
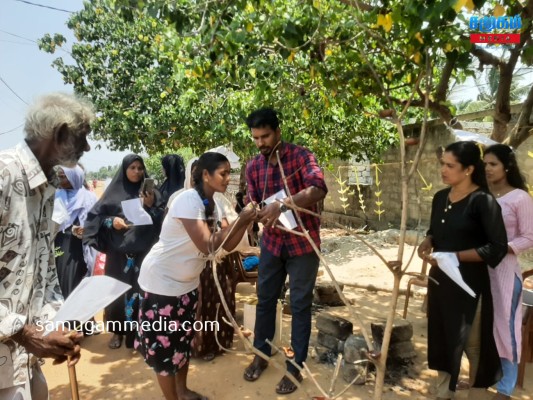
[
  {"x": 135, "y": 239},
  {"x": 175, "y": 172}
]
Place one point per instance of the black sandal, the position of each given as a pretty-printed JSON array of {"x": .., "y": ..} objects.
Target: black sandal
[
  {"x": 286, "y": 386},
  {"x": 255, "y": 369}
]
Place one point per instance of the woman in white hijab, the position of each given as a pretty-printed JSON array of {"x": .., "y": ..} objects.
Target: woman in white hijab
[{"x": 72, "y": 203}]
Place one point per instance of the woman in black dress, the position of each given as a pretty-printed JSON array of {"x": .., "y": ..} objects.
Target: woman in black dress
[
  {"x": 174, "y": 169},
  {"x": 465, "y": 220},
  {"x": 125, "y": 246}
]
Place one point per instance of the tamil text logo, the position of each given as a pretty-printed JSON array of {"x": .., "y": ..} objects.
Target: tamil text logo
[{"x": 487, "y": 25}]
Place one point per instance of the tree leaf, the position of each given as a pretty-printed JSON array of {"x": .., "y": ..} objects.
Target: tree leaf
[
  {"x": 498, "y": 11},
  {"x": 458, "y": 6}
]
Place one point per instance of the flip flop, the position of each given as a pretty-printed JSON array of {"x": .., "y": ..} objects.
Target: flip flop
[
  {"x": 209, "y": 357},
  {"x": 289, "y": 353},
  {"x": 246, "y": 332},
  {"x": 286, "y": 386},
  {"x": 255, "y": 369}
]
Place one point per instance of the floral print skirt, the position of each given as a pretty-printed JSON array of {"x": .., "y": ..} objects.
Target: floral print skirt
[{"x": 166, "y": 330}]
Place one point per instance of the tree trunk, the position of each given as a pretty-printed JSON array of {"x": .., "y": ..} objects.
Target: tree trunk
[
  {"x": 523, "y": 129},
  {"x": 381, "y": 364},
  {"x": 502, "y": 109},
  {"x": 446, "y": 115}
]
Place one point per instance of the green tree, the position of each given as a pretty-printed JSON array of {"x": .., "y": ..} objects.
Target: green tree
[
  {"x": 349, "y": 46},
  {"x": 189, "y": 71},
  {"x": 156, "y": 86}
]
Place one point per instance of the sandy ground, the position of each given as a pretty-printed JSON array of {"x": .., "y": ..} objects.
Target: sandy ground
[{"x": 122, "y": 374}]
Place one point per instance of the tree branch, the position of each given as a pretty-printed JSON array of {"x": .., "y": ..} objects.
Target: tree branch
[
  {"x": 442, "y": 88},
  {"x": 485, "y": 57},
  {"x": 358, "y": 4},
  {"x": 502, "y": 109},
  {"x": 522, "y": 129},
  {"x": 444, "y": 111}
]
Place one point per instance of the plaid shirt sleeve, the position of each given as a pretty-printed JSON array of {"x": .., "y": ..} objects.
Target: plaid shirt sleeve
[{"x": 312, "y": 174}]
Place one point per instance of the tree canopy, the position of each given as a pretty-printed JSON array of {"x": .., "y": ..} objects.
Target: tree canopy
[{"x": 186, "y": 73}]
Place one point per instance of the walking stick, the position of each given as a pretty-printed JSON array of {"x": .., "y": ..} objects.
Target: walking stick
[
  {"x": 72, "y": 373},
  {"x": 73, "y": 380}
]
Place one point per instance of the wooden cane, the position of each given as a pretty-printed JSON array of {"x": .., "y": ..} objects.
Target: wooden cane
[
  {"x": 73, "y": 380},
  {"x": 72, "y": 373}
]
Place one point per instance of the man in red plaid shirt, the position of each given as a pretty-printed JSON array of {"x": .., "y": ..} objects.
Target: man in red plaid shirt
[{"x": 283, "y": 253}]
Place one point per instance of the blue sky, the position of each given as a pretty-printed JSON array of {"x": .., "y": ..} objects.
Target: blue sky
[{"x": 28, "y": 71}]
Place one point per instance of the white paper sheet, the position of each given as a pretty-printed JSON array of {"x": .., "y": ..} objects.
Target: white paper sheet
[
  {"x": 135, "y": 213},
  {"x": 286, "y": 218},
  {"x": 449, "y": 264},
  {"x": 60, "y": 213},
  {"x": 90, "y": 296}
]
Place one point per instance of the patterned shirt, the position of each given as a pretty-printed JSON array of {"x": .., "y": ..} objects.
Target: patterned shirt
[
  {"x": 302, "y": 171},
  {"x": 29, "y": 289}
]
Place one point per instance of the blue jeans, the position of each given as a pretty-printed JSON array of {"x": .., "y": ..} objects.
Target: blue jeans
[
  {"x": 510, "y": 368},
  {"x": 302, "y": 271}
]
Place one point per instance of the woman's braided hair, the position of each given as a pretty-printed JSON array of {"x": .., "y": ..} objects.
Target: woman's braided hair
[{"x": 209, "y": 161}]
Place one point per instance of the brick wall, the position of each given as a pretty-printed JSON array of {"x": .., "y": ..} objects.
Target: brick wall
[{"x": 419, "y": 199}]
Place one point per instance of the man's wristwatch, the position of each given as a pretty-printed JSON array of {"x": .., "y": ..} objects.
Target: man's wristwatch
[{"x": 282, "y": 208}]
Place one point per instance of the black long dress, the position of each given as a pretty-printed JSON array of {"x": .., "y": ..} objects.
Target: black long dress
[
  {"x": 175, "y": 176},
  {"x": 125, "y": 250},
  {"x": 71, "y": 266},
  {"x": 473, "y": 222}
]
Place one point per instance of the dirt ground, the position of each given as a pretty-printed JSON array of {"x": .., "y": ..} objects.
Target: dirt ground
[{"x": 122, "y": 374}]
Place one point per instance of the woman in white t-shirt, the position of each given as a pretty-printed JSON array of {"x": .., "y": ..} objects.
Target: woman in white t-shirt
[{"x": 170, "y": 274}]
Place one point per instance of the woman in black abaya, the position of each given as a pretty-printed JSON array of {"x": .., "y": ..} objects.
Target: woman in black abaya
[
  {"x": 125, "y": 246},
  {"x": 174, "y": 169}
]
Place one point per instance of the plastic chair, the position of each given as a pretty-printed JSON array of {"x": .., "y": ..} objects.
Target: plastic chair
[
  {"x": 527, "y": 332},
  {"x": 422, "y": 281},
  {"x": 240, "y": 274}
]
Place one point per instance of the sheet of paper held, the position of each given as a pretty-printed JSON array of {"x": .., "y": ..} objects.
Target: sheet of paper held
[
  {"x": 286, "y": 218},
  {"x": 135, "y": 213},
  {"x": 449, "y": 264},
  {"x": 90, "y": 296}
]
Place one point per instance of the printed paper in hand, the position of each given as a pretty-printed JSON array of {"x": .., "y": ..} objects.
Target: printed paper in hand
[
  {"x": 134, "y": 212},
  {"x": 60, "y": 213},
  {"x": 90, "y": 296},
  {"x": 449, "y": 264},
  {"x": 286, "y": 218}
]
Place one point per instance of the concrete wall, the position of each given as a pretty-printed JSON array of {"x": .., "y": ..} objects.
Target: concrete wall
[{"x": 419, "y": 196}]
